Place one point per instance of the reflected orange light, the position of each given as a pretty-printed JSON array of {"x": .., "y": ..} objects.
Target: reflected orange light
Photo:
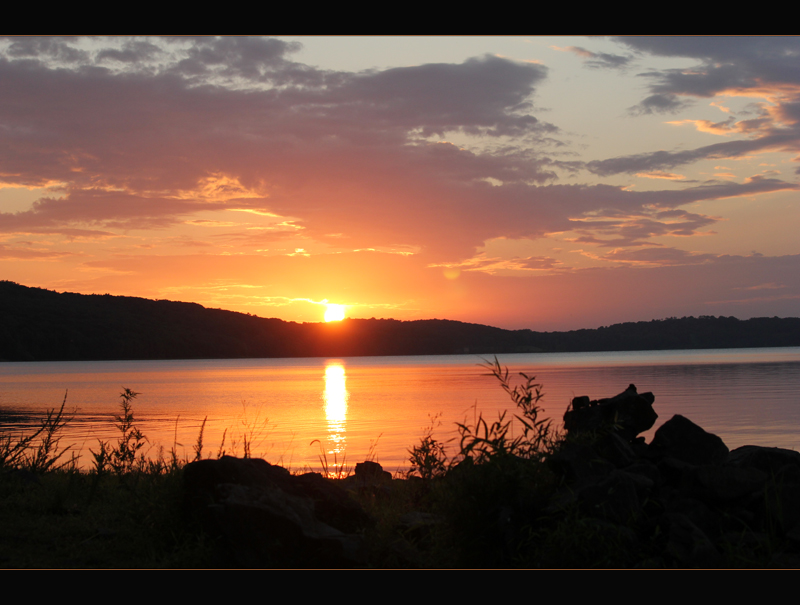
[{"x": 335, "y": 397}]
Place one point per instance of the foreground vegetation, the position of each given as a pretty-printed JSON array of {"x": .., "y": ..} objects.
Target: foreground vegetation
[
  {"x": 500, "y": 501},
  {"x": 123, "y": 513}
]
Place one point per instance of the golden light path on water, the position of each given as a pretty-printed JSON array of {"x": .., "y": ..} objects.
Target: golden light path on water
[{"x": 335, "y": 397}]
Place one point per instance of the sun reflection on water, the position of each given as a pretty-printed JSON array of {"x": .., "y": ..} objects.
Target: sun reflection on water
[{"x": 335, "y": 397}]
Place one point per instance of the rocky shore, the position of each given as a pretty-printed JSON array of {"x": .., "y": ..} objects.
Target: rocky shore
[{"x": 601, "y": 496}]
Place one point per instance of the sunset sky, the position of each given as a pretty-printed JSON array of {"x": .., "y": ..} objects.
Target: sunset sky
[{"x": 550, "y": 183}]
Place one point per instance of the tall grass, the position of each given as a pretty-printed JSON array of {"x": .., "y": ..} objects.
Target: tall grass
[
  {"x": 253, "y": 434},
  {"x": 485, "y": 495},
  {"x": 428, "y": 458},
  {"x": 124, "y": 512},
  {"x": 40, "y": 451},
  {"x": 335, "y": 470},
  {"x": 123, "y": 457},
  {"x": 531, "y": 437}
]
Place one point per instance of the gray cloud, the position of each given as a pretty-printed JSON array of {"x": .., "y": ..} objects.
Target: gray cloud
[
  {"x": 53, "y": 48},
  {"x": 718, "y": 48},
  {"x": 659, "y": 103},
  {"x": 132, "y": 51},
  {"x": 740, "y": 64},
  {"x": 484, "y": 95},
  {"x": 595, "y": 60},
  {"x": 633, "y": 231},
  {"x": 724, "y": 62},
  {"x": 661, "y": 256},
  {"x": 343, "y": 153},
  {"x": 662, "y": 160},
  {"x": 129, "y": 146},
  {"x": 249, "y": 59}
]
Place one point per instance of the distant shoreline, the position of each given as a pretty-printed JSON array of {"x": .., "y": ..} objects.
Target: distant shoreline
[{"x": 42, "y": 325}]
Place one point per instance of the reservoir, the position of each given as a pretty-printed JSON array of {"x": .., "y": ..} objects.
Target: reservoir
[{"x": 306, "y": 412}]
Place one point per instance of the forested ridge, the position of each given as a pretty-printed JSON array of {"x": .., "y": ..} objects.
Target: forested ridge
[{"x": 43, "y": 325}]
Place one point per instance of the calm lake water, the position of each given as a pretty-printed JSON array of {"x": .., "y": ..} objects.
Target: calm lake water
[{"x": 292, "y": 410}]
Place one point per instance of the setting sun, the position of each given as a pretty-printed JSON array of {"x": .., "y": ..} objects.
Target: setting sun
[{"x": 334, "y": 312}]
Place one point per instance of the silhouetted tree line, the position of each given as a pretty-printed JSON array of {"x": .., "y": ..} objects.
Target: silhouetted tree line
[{"x": 42, "y": 325}]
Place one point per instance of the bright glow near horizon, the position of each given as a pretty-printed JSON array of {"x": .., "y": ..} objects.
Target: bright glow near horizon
[{"x": 334, "y": 312}]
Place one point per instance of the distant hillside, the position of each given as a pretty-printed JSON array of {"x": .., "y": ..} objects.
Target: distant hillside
[{"x": 42, "y": 325}]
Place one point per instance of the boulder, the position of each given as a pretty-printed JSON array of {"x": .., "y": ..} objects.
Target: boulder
[
  {"x": 682, "y": 439},
  {"x": 768, "y": 460},
  {"x": 627, "y": 414},
  {"x": 260, "y": 515}
]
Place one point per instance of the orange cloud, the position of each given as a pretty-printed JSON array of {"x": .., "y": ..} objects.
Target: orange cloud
[{"x": 660, "y": 174}]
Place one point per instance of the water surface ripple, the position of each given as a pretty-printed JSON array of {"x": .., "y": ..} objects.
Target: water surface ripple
[{"x": 352, "y": 407}]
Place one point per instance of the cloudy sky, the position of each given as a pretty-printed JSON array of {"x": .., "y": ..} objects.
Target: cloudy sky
[{"x": 523, "y": 182}]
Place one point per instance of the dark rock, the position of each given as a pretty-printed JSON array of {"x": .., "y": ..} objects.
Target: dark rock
[
  {"x": 578, "y": 461},
  {"x": 370, "y": 481},
  {"x": 370, "y": 471},
  {"x": 684, "y": 494},
  {"x": 202, "y": 476},
  {"x": 615, "y": 449},
  {"x": 262, "y": 516},
  {"x": 768, "y": 460},
  {"x": 682, "y": 439},
  {"x": 717, "y": 484},
  {"x": 782, "y": 499},
  {"x": 578, "y": 403},
  {"x": 688, "y": 544},
  {"x": 695, "y": 510},
  {"x": 262, "y": 526},
  {"x": 645, "y": 468},
  {"x": 628, "y": 413},
  {"x": 614, "y": 497},
  {"x": 674, "y": 471},
  {"x": 332, "y": 504}
]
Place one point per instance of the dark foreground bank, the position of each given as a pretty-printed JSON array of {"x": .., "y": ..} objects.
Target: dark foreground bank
[
  {"x": 591, "y": 495},
  {"x": 601, "y": 498}
]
